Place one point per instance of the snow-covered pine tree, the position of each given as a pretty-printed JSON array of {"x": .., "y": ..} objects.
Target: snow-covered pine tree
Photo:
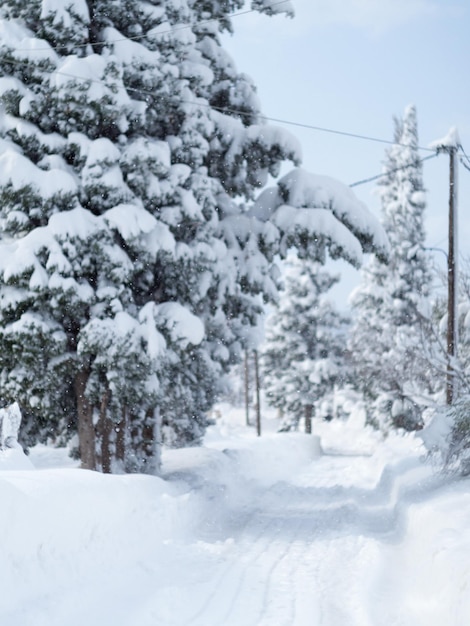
[
  {"x": 130, "y": 269},
  {"x": 390, "y": 303},
  {"x": 119, "y": 278},
  {"x": 304, "y": 351}
]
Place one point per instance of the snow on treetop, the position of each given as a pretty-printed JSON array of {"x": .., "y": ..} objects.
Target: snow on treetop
[
  {"x": 194, "y": 69},
  {"x": 20, "y": 172},
  {"x": 25, "y": 129},
  {"x": 78, "y": 223},
  {"x": 156, "y": 153},
  {"x": 91, "y": 69},
  {"x": 9, "y": 83},
  {"x": 79, "y": 68},
  {"x": 14, "y": 35},
  {"x": 158, "y": 239},
  {"x": 61, "y": 11},
  {"x": 274, "y": 135},
  {"x": 451, "y": 140},
  {"x": 184, "y": 327},
  {"x": 131, "y": 221},
  {"x": 102, "y": 150},
  {"x": 127, "y": 50},
  {"x": 20, "y": 256}
]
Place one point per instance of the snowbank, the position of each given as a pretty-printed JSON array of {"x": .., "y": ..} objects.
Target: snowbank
[{"x": 245, "y": 531}]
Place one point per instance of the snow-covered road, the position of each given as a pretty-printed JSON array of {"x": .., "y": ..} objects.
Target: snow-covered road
[
  {"x": 293, "y": 558},
  {"x": 243, "y": 532},
  {"x": 302, "y": 541}
]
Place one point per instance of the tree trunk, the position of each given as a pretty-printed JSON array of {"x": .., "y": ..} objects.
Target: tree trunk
[
  {"x": 105, "y": 434},
  {"x": 308, "y": 419},
  {"x": 151, "y": 442},
  {"x": 86, "y": 429},
  {"x": 121, "y": 437}
]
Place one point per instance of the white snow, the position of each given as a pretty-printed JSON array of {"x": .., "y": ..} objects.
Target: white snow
[
  {"x": 60, "y": 10},
  {"x": 21, "y": 172},
  {"x": 324, "y": 207},
  {"x": 451, "y": 140},
  {"x": 127, "y": 50},
  {"x": 184, "y": 327},
  {"x": 244, "y": 531}
]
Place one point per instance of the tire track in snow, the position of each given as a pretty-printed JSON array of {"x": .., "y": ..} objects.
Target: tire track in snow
[
  {"x": 305, "y": 554},
  {"x": 256, "y": 539}
]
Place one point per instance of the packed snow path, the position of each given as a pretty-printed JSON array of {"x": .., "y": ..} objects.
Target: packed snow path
[
  {"x": 294, "y": 557},
  {"x": 309, "y": 539},
  {"x": 243, "y": 532}
]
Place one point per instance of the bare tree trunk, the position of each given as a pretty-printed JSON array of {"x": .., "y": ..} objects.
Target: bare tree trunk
[
  {"x": 105, "y": 423},
  {"x": 308, "y": 419},
  {"x": 86, "y": 429},
  {"x": 121, "y": 436}
]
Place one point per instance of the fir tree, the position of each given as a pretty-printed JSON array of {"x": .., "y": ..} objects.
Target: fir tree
[
  {"x": 131, "y": 269},
  {"x": 390, "y": 303},
  {"x": 117, "y": 175},
  {"x": 304, "y": 353}
]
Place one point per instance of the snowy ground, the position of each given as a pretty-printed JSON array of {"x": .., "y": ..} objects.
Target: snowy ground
[{"x": 242, "y": 532}]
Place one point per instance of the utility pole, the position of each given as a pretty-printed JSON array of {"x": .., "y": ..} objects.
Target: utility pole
[
  {"x": 450, "y": 144},
  {"x": 247, "y": 389},
  {"x": 258, "y": 407},
  {"x": 452, "y": 279}
]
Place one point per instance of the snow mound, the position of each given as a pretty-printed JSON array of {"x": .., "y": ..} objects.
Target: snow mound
[{"x": 14, "y": 459}]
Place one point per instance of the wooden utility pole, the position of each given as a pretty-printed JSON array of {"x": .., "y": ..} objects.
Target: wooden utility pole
[
  {"x": 247, "y": 389},
  {"x": 258, "y": 406},
  {"x": 452, "y": 279}
]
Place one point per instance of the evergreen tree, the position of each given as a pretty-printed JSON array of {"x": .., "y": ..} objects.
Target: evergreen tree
[
  {"x": 390, "y": 303},
  {"x": 118, "y": 172},
  {"x": 131, "y": 270},
  {"x": 304, "y": 352}
]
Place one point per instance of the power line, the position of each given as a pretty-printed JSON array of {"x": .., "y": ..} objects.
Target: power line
[
  {"x": 397, "y": 169},
  {"x": 467, "y": 166},
  {"x": 153, "y": 32},
  {"x": 342, "y": 132},
  {"x": 233, "y": 111},
  {"x": 221, "y": 109}
]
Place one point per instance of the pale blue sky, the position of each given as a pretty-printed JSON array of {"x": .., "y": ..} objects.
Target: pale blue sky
[{"x": 352, "y": 65}]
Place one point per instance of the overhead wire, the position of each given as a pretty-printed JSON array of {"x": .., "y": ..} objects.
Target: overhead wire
[
  {"x": 221, "y": 109},
  {"x": 231, "y": 110},
  {"x": 396, "y": 169},
  {"x": 466, "y": 165},
  {"x": 236, "y": 111},
  {"x": 153, "y": 32}
]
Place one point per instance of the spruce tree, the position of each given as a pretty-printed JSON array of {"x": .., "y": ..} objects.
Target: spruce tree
[
  {"x": 390, "y": 303},
  {"x": 131, "y": 269},
  {"x": 118, "y": 171},
  {"x": 304, "y": 351}
]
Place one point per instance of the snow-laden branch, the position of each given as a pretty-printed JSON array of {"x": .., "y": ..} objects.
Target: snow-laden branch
[{"x": 315, "y": 207}]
